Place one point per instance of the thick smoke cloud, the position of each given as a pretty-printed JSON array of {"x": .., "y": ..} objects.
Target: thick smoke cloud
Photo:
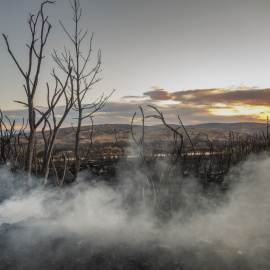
[{"x": 213, "y": 229}]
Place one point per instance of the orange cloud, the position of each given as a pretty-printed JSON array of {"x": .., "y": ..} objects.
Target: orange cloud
[
  {"x": 200, "y": 105},
  {"x": 254, "y": 97},
  {"x": 159, "y": 94},
  {"x": 249, "y": 103}
]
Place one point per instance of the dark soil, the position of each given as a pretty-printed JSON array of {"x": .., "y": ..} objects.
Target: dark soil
[{"x": 27, "y": 246}]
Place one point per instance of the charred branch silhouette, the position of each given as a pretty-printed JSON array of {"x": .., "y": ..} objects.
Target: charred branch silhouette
[
  {"x": 39, "y": 29},
  {"x": 85, "y": 76}
]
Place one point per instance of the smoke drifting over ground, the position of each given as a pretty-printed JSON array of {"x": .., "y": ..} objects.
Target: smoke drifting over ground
[{"x": 91, "y": 222}]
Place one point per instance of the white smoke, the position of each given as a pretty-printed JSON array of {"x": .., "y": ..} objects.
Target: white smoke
[{"x": 222, "y": 227}]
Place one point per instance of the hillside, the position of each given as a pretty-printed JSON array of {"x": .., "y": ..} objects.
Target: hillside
[
  {"x": 242, "y": 127},
  {"x": 105, "y": 133}
]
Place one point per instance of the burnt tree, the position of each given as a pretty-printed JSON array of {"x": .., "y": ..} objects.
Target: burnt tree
[
  {"x": 39, "y": 29},
  {"x": 84, "y": 75}
]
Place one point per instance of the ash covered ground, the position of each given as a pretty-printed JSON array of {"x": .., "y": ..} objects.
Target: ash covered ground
[{"x": 92, "y": 225}]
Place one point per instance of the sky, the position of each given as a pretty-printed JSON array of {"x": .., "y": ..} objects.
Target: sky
[{"x": 205, "y": 60}]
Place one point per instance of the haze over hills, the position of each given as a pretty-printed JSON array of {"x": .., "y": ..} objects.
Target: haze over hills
[
  {"x": 105, "y": 133},
  {"x": 241, "y": 127},
  {"x": 248, "y": 127}
]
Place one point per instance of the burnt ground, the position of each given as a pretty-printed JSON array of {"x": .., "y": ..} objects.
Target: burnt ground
[{"x": 27, "y": 246}]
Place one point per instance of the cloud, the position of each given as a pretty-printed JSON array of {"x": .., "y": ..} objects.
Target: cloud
[
  {"x": 253, "y": 97},
  {"x": 133, "y": 97},
  {"x": 194, "y": 106},
  {"x": 233, "y": 96},
  {"x": 218, "y": 104},
  {"x": 159, "y": 94}
]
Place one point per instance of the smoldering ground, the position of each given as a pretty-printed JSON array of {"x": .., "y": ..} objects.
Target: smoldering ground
[{"x": 91, "y": 226}]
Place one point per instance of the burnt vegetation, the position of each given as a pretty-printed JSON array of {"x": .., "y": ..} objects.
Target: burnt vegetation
[
  {"x": 158, "y": 169},
  {"x": 156, "y": 155},
  {"x": 55, "y": 151},
  {"x": 157, "y": 160}
]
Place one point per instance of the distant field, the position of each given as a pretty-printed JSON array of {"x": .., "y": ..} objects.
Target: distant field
[
  {"x": 104, "y": 136},
  {"x": 106, "y": 132}
]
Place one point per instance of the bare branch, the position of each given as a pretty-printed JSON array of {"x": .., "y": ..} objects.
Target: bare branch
[{"x": 12, "y": 55}]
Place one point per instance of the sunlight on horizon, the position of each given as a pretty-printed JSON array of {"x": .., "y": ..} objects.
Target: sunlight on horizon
[
  {"x": 259, "y": 112},
  {"x": 169, "y": 102}
]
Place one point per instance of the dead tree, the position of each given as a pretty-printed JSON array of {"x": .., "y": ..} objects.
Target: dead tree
[
  {"x": 11, "y": 147},
  {"x": 87, "y": 149},
  {"x": 84, "y": 76},
  {"x": 53, "y": 131},
  {"x": 6, "y": 136},
  {"x": 39, "y": 29},
  {"x": 18, "y": 148},
  {"x": 177, "y": 149}
]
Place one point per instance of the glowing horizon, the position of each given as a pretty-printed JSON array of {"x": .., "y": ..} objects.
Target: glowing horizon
[{"x": 258, "y": 112}]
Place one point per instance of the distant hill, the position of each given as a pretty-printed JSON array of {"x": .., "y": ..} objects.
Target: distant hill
[
  {"x": 241, "y": 127},
  {"x": 105, "y": 133}
]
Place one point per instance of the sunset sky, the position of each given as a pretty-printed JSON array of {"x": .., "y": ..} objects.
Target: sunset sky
[{"x": 205, "y": 60}]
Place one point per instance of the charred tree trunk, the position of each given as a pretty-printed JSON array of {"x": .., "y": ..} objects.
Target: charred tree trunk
[
  {"x": 31, "y": 141},
  {"x": 77, "y": 148}
]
